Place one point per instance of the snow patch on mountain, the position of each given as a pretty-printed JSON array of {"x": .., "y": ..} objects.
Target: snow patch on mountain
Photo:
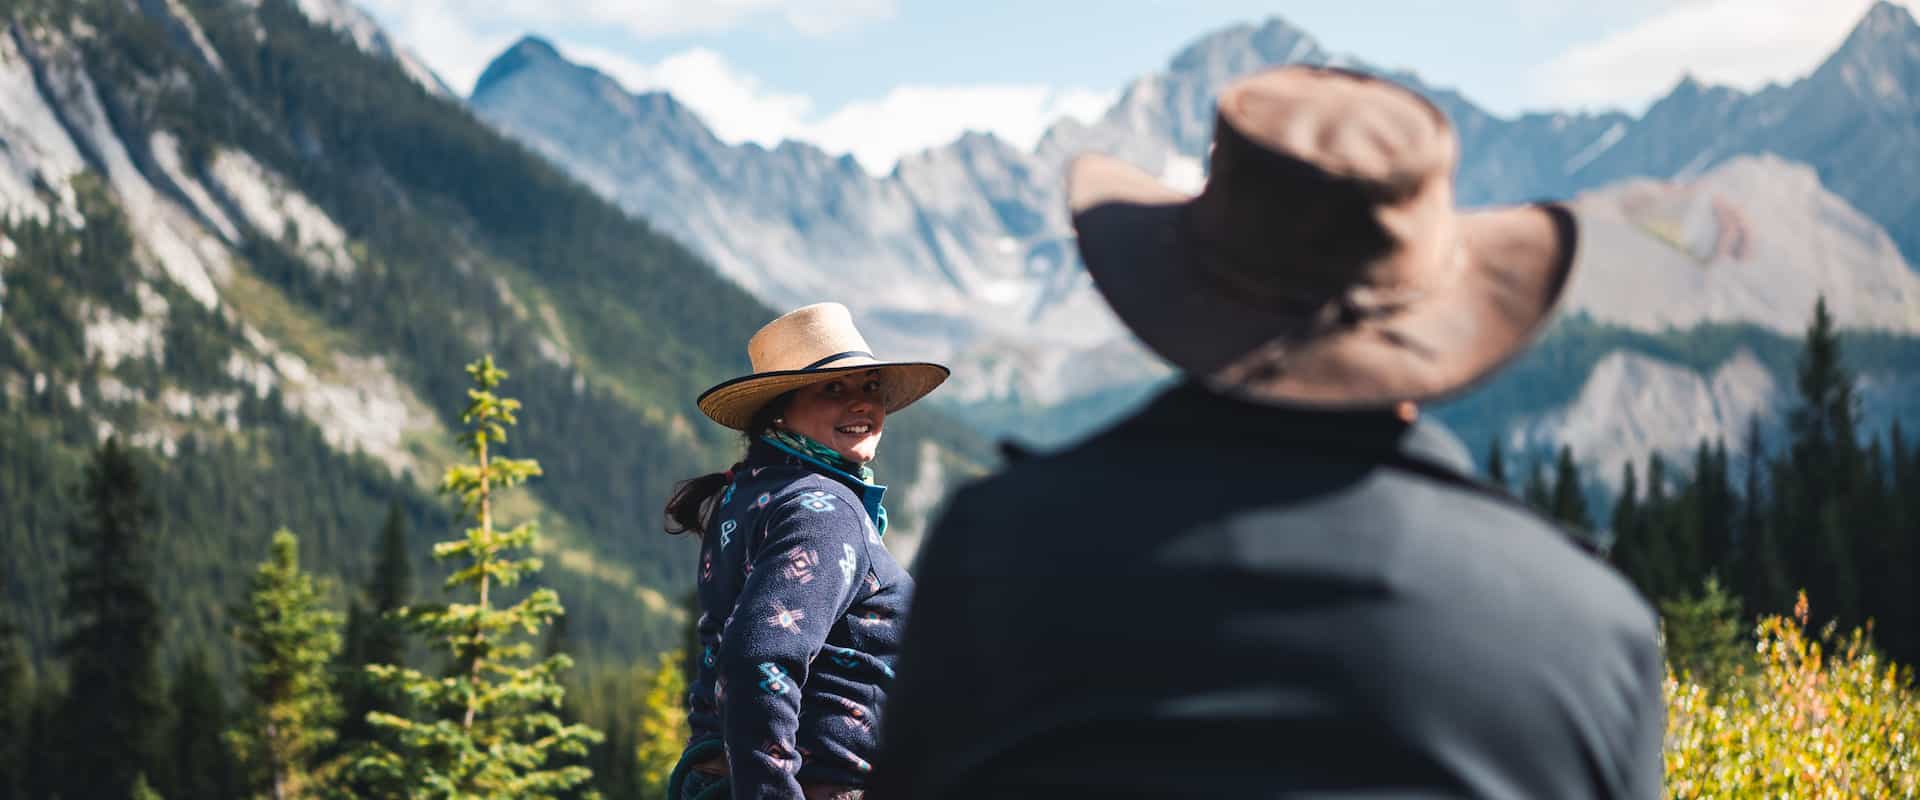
[
  {"x": 1611, "y": 137},
  {"x": 166, "y": 154},
  {"x": 112, "y": 338},
  {"x": 363, "y": 406},
  {"x": 276, "y": 210},
  {"x": 36, "y": 155},
  {"x": 357, "y": 401},
  {"x": 174, "y": 239}
]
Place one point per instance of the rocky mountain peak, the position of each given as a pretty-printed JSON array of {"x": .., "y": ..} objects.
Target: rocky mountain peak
[
  {"x": 529, "y": 52},
  {"x": 1246, "y": 47},
  {"x": 1880, "y": 59},
  {"x": 1887, "y": 18}
]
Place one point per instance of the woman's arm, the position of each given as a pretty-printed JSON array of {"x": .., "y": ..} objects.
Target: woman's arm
[{"x": 801, "y": 581}]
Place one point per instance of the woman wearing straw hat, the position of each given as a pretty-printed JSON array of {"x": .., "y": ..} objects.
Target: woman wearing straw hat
[{"x": 800, "y": 605}]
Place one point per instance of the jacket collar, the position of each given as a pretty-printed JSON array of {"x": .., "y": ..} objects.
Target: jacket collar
[
  {"x": 1191, "y": 411},
  {"x": 764, "y": 453}
]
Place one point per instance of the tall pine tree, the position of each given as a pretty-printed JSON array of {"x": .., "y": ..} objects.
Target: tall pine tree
[
  {"x": 1760, "y": 568},
  {"x": 291, "y": 638},
  {"x": 488, "y": 729},
  {"x": 1537, "y": 493},
  {"x": 1568, "y": 502},
  {"x": 200, "y": 763},
  {"x": 110, "y": 721},
  {"x": 16, "y": 712},
  {"x": 1496, "y": 463},
  {"x": 1629, "y": 550},
  {"x": 1824, "y": 467},
  {"x": 374, "y": 634}
]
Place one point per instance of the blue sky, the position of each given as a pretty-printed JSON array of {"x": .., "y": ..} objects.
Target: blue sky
[{"x": 881, "y": 78}]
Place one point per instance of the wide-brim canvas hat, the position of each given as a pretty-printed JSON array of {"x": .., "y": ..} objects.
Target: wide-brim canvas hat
[
  {"x": 806, "y": 346},
  {"x": 1324, "y": 262}
]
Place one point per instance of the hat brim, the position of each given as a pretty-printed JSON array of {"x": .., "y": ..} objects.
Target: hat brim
[
  {"x": 733, "y": 403},
  {"x": 1134, "y": 242}
]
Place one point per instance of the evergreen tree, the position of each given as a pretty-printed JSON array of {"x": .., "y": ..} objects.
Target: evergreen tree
[
  {"x": 290, "y": 638},
  {"x": 663, "y": 725},
  {"x": 374, "y": 635},
  {"x": 1496, "y": 463},
  {"x": 46, "y": 773},
  {"x": 1656, "y": 517},
  {"x": 200, "y": 765},
  {"x": 1760, "y": 569},
  {"x": 1703, "y": 634},
  {"x": 1902, "y": 562},
  {"x": 1537, "y": 494},
  {"x": 1823, "y": 466},
  {"x": 1875, "y": 520},
  {"x": 1715, "y": 510},
  {"x": 489, "y": 731},
  {"x": 142, "y": 790},
  {"x": 111, "y": 718},
  {"x": 1629, "y": 550},
  {"x": 16, "y": 714},
  {"x": 1569, "y": 498}
]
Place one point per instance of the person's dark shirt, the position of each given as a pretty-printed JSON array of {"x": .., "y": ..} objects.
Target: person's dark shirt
[{"x": 1223, "y": 599}]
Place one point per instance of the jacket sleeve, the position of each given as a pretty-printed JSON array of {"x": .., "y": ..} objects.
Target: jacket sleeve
[{"x": 800, "y": 583}]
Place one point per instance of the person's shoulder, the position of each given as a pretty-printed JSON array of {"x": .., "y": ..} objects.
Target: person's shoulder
[
  {"x": 813, "y": 500},
  {"x": 1540, "y": 560},
  {"x": 777, "y": 484}
]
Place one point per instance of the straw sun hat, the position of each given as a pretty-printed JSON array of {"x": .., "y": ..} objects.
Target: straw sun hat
[
  {"x": 1324, "y": 264},
  {"x": 805, "y": 346}
]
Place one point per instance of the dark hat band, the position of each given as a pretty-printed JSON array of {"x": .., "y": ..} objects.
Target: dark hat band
[{"x": 836, "y": 357}]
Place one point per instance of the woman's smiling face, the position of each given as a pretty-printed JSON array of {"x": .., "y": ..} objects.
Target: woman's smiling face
[{"x": 846, "y": 414}]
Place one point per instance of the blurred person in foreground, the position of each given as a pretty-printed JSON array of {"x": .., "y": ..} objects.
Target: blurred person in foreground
[
  {"x": 800, "y": 604},
  {"x": 1277, "y": 580}
]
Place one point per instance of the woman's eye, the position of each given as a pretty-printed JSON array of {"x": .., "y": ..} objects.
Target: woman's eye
[
  {"x": 872, "y": 387},
  {"x": 833, "y": 388}
]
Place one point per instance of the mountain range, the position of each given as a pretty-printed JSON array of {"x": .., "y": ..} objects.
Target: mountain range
[
  {"x": 1715, "y": 207},
  {"x": 257, "y": 239}
]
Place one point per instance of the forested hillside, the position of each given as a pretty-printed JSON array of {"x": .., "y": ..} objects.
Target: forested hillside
[{"x": 312, "y": 378}]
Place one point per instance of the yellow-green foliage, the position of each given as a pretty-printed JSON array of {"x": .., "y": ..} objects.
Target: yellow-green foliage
[
  {"x": 663, "y": 725},
  {"x": 1822, "y": 717}
]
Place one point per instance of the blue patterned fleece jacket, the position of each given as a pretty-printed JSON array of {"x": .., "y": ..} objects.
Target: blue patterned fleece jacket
[{"x": 801, "y": 611}]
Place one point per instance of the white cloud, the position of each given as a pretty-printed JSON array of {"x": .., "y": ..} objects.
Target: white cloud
[
  {"x": 1742, "y": 43},
  {"x": 739, "y": 107}
]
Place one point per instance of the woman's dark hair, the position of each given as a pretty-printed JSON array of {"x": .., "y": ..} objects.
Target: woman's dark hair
[{"x": 691, "y": 506}]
